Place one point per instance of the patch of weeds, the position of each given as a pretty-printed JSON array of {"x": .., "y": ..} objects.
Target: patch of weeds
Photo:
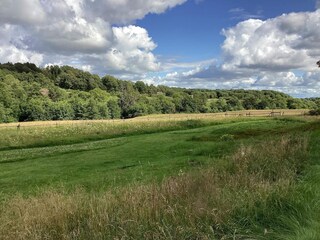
[
  {"x": 192, "y": 123},
  {"x": 227, "y": 137},
  {"x": 204, "y": 138},
  {"x": 128, "y": 166},
  {"x": 194, "y": 162},
  {"x": 293, "y": 120},
  {"x": 248, "y": 133}
]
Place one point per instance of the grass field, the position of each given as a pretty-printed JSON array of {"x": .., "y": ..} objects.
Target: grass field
[
  {"x": 47, "y": 133},
  {"x": 175, "y": 177}
]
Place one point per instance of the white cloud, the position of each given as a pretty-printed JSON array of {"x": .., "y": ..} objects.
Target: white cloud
[
  {"x": 14, "y": 50},
  {"x": 74, "y": 36},
  {"x": 276, "y": 44},
  {"x": 21, "y": 12},
  {"x": 9, "y": 53},
  {"x": 278, "y": 53},
  {"x": 87, "y": 68},
  {"x": 242, "y": 14},
  {"x": 75, "y": 32},
  {"x": 279, "y": 79},
  {"x": 126, "y": 11},
  {"x": 132, "y": 37},
  {"x": 132, "y": 51}
]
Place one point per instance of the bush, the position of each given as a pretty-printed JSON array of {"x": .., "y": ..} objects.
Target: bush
[{"x": 314, "y": 112}]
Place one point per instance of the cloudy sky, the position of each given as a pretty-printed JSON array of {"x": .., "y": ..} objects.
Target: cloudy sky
[{"x": 248, "y": 44}]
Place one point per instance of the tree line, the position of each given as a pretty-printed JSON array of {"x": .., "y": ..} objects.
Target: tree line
[{"x": 30, "y": 93}]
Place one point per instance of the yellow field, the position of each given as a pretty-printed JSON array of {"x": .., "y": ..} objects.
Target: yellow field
[{"x": 168, "y": 117}]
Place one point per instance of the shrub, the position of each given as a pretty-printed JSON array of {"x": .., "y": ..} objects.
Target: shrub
[{"x": 314, "y": 112}]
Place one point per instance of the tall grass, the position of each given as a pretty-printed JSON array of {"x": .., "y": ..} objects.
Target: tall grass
[
  {"x": 243, "y": 197},
  {"x": 43, "y": 136},
  {"x": 48, "y": 133}
]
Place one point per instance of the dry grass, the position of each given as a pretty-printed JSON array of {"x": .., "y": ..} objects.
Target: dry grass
[
  {"x": 211, "y": 204},
  {"x": 162, "y": 117},
  {"x": 84, "y": 131}
]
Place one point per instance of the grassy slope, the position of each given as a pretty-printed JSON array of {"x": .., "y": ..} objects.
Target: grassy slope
[
  {"x": 144, "y": 157},
  {"x": 125, "y": 159}
]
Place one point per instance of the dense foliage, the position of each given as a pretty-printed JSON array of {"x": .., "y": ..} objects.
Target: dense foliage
[{"x": 29, "y": 93}]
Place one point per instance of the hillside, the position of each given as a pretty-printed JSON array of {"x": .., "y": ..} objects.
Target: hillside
[{"x": 30, "y": 93}]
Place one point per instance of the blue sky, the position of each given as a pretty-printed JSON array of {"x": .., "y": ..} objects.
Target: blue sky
[
  {"x": 192, "y": 31},
  {"x": 216, "y": 44}
]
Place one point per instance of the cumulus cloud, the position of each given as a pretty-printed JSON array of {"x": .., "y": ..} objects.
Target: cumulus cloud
[
  {"x": 132, "y": 51},
  {"x": 76, "y": 32},
  {"x": 278, "y": 53},
  {"x": 278, "y": 44},
  {"x": 74, "y": 36},
  {"x": 125, "y": 11}
]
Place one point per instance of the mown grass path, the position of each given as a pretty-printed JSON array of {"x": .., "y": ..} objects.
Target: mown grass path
[{"x": 138, "y": 158}]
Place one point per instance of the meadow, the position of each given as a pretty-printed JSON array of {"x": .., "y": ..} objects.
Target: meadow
[{"x": 172, "y": 177}]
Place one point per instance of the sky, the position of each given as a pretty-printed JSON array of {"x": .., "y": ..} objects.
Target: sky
[{"x": 213, "y": 44}]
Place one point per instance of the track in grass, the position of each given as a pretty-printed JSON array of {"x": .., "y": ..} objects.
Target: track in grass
[{"x": 97, "y": 165}]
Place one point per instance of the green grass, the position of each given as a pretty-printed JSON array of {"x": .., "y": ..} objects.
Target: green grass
[
  {"x": 114, "y": 162},
  {"x": 306, "y": 196},
  {"x": 83, "y": 132},
  {"x": 243, "y": 178}
]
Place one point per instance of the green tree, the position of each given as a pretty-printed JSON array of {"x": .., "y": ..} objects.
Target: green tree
[
  {"x": 166, "y": 104},
  {"x": 222, "y": 105},
  {"x": 114, "y": 108},
  {"x": 53, "y": 72},
  {"x": 12, "y": 95},
  {"x": 250, "y": 102},
  {"x": 61, "y": 110},
  {"x": 141, "y": 87},
  {"x": 138, "y": 109},
  {"x": 79, "y": 108},
  {"x": 92, "y": 110},
  {"x": 128, "y": 97},
  {"x": 233, "y": 104},
  {"x": 111, "y": 83},
  {"x": 35, "y": 109}
]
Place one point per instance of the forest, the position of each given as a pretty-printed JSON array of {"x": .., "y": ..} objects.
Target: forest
[{"x": 31, "y": 93}]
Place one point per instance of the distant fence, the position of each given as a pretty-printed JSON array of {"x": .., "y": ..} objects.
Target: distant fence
[{"x": 266, "y": 114}]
